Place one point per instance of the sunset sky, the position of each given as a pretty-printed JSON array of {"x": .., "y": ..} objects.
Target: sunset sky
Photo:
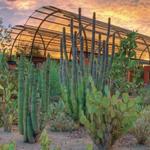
[{"x": 130, "y": 14}]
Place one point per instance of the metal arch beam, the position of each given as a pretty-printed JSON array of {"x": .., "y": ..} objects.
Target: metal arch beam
[
  {"x": 85, "y": 36},
  {"x": 31, "y": 16},
  {"x": 20, "y": 33},
  {"x": 122, "y": 32},
  {"x": 85, "y": 39},
  {"x": 142, "y": 52},
  {"x": 37, "y": 30},
  {"x": 15, "y": 42},
  {"x": 118, "y": 33},
  {"x": 86, "y": 42},
  {"x": 49, "y": 43},
  {"x": 42, "y": 41},
  {"x": 147, "y": 47}
]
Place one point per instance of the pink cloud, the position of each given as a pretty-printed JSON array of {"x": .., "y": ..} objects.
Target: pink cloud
[{"x": 131, "y": 14}]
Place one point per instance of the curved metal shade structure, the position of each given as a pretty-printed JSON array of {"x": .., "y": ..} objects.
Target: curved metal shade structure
[{"x": 42, "y": 32}]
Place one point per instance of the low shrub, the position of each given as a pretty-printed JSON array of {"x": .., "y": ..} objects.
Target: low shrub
[
  {"x": 8, "y": 95},
  {"x": 44, "y": 141},
  {"x": 141, "y": 129},
  {"x": 145, "y": 95},
  {"x": 108, "y": 117},
  {"x": 9, "y": 146},
  {"x": 55, "y": 108},
  {"x": 63, "y": 122},
  {"x": 59, "y": 119}
]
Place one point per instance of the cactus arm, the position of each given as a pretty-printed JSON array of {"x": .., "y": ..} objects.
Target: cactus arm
[
  {"x": 20, "y": 94},
  {"x": 93, "y": 43},
  {"x": 30, "y": 134}
]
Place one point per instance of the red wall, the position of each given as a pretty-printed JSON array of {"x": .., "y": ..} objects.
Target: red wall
[{"x": 146, "y": 74}]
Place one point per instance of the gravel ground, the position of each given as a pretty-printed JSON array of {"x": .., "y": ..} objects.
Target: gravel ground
[{"x": 76, "y": 140}]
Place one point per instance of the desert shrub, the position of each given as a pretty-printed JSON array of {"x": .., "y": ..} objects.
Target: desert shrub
[
  {"x": 8, "y": 94},
  {"x": 55, "y": 108},
  {"x": 141, "y": 129},
  {"x": 63, "y": 122},
  {"x": 59, "y": 119},
  {"x": 89, "y": 147},
  {"x": 145, "y": 94},
  {"x": 108, "y": 117},
  {"x": 44, "y": 140},
  {"x": 9, "y": 146}
]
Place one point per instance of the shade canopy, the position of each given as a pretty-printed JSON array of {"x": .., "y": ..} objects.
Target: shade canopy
[{"x": 41, "y": 34}]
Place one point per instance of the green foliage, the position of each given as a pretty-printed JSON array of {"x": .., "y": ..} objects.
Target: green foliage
[
  {"x": 33, "y": 98},
  {"x": 55, "y": 108},
  {"x": 5, "y": 38},
  {"x": 89, "y": 147},
  {"x": 74, "y": 99},
  {"x": 59, "y": 119},
  {"x": 141, "y": 128},
  {"x": 123, "y": 63},
  {"x": 63, "y": 122},
  {"x": 72, "y": 83},
  {"x": 74, "y": 74},
  {"x": 8, "y": 92},
  {"x": 108, "y": 117},
  {"x": 144, "y": 92},
  {"x": 55, "y": 91},
  {"x": 10, "y": 146},
  {"x": 44, "y": 141}
]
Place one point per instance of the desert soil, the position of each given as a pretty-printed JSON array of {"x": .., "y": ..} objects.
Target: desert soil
[{"x": 77, "y": 140}]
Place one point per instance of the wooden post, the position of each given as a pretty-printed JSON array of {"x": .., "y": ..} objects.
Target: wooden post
[{"x": 146, "y": 74}]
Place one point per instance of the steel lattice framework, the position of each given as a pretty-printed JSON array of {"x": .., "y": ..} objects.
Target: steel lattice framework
[{"x": 41, "y": 34}]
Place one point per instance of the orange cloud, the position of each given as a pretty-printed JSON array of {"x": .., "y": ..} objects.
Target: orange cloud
[
  {"x": 130, "y": 14},
  {"x": 21, "y": 4}
]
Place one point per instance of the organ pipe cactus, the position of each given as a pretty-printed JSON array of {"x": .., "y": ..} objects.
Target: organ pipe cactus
[
  {"x": 74, "y": 75},
  {"x": 33, "y": 98},
  {"x": 20, "y": 93},
  {"x": 93, "y": 43}
]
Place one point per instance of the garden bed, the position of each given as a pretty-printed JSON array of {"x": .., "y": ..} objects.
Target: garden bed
[{"x": 76, "y": 140}]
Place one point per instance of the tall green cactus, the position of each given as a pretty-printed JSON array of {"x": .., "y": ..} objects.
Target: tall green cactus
[
  {"x": 93, "y": 43},
  {"x": 75, "y": 81},
  {"x": 20, "y": 93},
  {"x": 33, "y": 98}
]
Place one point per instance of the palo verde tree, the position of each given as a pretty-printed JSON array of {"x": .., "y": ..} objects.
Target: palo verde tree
[{"x": 125, "y": 61}]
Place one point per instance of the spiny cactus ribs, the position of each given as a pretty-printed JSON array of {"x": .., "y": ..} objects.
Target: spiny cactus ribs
[{"x": 33, "y": 96}]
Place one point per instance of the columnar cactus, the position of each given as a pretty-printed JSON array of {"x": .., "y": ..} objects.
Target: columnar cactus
[
  {"x": 33, "y": 99},
  {"x": 74, "y": 82},
  {"x": 20, "y": 93}
]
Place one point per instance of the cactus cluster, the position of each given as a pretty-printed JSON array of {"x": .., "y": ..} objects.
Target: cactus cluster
[
  {"x": 74, "y": 74},
  {"x": 33, "y": 98},
  {"x": 108, "y": 117}
]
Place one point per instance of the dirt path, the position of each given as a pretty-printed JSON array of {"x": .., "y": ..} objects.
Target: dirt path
[{"x": 76, "y": 140}]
